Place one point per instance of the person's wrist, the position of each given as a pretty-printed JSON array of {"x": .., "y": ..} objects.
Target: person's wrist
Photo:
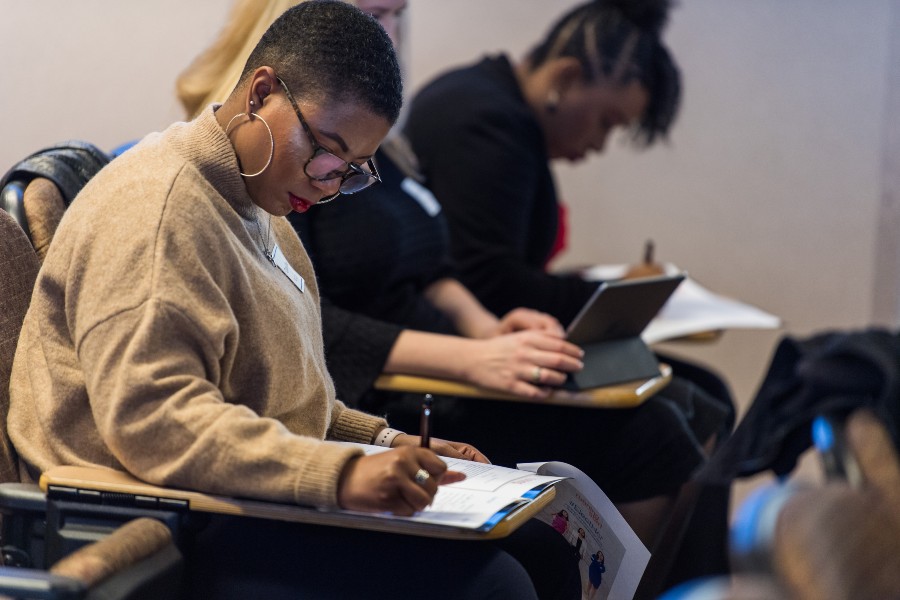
[
  {"x": 346, "y": 473},
  {"x": 488, "y": 326},
  {"x": 477, "y": 324},
  {"x": 405, "y": 439},
  {"x": 469, "y": 358}
]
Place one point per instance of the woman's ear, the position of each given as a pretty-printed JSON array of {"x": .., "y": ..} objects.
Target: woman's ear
[
  {"x": 566, "y": 72},
  {"x": 262, "y": 83}
]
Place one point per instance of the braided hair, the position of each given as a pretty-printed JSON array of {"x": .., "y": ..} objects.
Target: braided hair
[{"x": 620, "y": 41}]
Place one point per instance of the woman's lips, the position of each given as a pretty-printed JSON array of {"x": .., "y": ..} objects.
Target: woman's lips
[{"x": 300, "y": 205}]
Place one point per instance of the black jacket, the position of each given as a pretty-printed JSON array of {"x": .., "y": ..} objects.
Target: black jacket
[{"x": 831, "y": 373}]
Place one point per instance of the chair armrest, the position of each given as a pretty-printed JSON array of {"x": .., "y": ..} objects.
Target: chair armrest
[
  {"x": 22, "y": 496},
  {"x": 38, "y": 585},
  {"x": 139, "y": 555},
  {"x": 139, "y": 560},
  {"x": 127, "y": 545},
  {"x": 23, "y": 507}
]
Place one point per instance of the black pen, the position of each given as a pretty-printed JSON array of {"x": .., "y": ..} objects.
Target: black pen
[
  {"x": 648, "y": 252},
  {"x": 425, "y": 422}
]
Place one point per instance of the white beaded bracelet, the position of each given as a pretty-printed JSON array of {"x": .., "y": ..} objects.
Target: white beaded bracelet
[{"x": 386, "y": 437}]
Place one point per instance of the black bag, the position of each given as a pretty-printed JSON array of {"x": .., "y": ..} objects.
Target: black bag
[{"x": 831, "y": 373}]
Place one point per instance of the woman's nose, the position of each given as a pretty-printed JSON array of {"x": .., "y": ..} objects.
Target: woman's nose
[{"x": 330, "y": 187}]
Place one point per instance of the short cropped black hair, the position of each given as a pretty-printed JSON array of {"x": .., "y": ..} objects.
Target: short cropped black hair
[
  {"x": 328, "y": 50},
  {"x": 621, "y": 39}
]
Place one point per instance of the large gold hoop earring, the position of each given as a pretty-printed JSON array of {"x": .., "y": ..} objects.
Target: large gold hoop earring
[{"x": 271, "y": 140}]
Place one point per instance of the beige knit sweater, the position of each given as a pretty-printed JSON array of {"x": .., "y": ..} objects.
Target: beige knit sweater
[{"x": 160, "y": 340}]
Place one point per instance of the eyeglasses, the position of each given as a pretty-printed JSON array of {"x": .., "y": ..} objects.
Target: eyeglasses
[{"x": 322, "y": 165}]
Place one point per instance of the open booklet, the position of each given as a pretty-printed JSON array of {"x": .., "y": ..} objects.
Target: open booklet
[
  {"x": 610, "y": 556},
  {"x": 488, "y": 495},
  {"x": 691, "y": 309},
  {"x": 490, "y": 503}
]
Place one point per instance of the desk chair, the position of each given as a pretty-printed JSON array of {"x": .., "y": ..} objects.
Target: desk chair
[
  {"x": 35, "y": 193},
  {"x": 137, "y": 560},
  {"x": 37, "y": 190}
]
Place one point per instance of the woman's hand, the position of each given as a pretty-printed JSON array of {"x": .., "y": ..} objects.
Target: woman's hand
[
  {"x": 644, "y": 269},
  {"x": 443, "y": 447},
  {"x": 522, "y": 319},
  {"x": 522, "y": 363},
  {"x": 387, "y": 481}
]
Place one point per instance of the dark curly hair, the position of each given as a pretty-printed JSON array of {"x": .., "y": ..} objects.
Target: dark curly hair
[
  {"x": 328, "y": 50},
  {"x": 621, "y": 39}
]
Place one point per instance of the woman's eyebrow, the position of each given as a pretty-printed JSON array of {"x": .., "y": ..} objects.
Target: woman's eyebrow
[{"x": 336, "y": 137}]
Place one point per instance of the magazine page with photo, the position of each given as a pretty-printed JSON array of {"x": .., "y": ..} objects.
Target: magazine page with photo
[{"x": 610, "y": 556}]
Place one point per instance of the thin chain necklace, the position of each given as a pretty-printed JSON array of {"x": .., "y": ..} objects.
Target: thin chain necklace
[
  {"x": 275, "y": 257},
  {"x": 265, "y": 244}
]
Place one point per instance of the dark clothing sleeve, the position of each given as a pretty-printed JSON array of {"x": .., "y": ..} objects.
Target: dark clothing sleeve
[
  {"x": 356, "y": 350},
  {"x": 375, "y": 251},
  {"x": 483, "y": 155}
]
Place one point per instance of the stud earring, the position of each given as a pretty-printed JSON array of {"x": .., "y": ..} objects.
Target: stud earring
[{"x": 552, "y": 103}]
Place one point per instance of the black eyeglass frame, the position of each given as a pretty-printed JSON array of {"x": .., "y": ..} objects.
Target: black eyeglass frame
[{"x": 353, "y": 169}]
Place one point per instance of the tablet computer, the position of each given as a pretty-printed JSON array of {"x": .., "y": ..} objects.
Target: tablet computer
[
  {"x": 621, "y": 308},
  {"x": 609, "y": 326}
]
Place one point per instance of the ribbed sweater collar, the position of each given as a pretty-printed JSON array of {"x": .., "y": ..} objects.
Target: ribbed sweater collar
[{"x": 203, "y": 143}]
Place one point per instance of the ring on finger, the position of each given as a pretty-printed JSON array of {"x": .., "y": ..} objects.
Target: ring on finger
[
  {"x": 536, "y": 375},
  {"x": 421, "y": 476}
]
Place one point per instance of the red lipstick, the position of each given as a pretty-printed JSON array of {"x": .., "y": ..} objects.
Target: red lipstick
[{"x": 300, "y": 205}]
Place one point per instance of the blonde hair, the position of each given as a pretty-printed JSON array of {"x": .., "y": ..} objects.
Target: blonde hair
[{"x": 213, "y": 75}]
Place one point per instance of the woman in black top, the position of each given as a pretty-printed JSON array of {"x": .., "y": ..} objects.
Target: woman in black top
[{"x": 485, "y": 134}]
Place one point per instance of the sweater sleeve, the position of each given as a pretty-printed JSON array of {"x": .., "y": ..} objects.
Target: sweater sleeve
[
  {"x": 349, "y": 425},
  {"x": 147, "y": 382}
]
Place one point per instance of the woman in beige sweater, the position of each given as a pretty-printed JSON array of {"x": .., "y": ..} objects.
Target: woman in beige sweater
[{"x": 175, "y": 330}]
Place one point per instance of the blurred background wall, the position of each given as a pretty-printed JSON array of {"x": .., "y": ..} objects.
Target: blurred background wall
[{"x": 779, "y": 185}]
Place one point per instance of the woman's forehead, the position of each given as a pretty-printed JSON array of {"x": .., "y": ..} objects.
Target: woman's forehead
[{"x": 349, "y": 126}]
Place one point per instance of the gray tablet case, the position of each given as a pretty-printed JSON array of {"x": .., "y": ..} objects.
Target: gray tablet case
[{"x": 608, "y": 328}]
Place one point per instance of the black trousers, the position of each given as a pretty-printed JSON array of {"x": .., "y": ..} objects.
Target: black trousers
[{"x": 240, "y": 558}]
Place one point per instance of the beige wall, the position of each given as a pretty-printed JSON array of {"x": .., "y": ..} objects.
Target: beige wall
[
  {"x": 770, "y": 189},
  {"x": 886, "y": 305},
  {"x": 98, "y": 70}
]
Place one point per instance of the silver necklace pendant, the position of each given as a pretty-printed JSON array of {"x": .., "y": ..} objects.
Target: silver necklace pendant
[
  {"x": 269, "y": 254},
  {"x": 276, "y": 257}
]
